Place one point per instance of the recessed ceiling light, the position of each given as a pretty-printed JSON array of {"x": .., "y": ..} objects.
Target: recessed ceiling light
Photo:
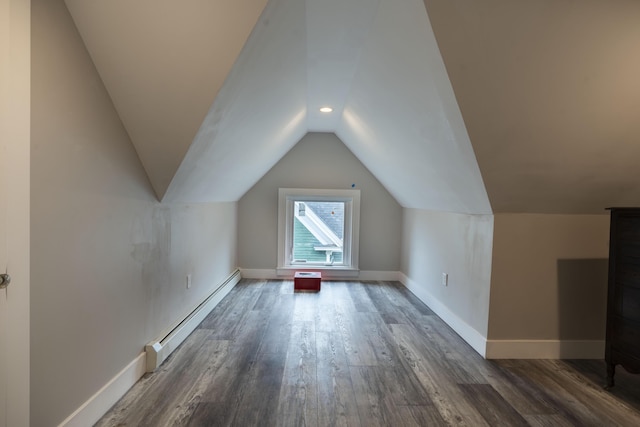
[{"x": 326, "y": 109}]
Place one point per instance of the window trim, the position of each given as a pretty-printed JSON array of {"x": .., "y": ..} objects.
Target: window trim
[{"x": 286, "y": 199}]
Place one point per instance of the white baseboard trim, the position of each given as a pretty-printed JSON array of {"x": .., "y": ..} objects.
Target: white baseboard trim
[
  {"x": 545, "y": 349},
  {"x": 466, "y": 332},
  {"x": 250, "y": 273},
  {"x": 159, "y": 349},
  {"x": 98, "y": 404}
]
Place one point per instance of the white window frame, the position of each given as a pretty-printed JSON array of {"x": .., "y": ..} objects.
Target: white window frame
[{"x": 286, "y": 199}]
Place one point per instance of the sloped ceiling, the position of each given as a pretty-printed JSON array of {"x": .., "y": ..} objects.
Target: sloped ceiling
[
  {"x": 163, "y": 63},
  {"x": 222, "y": 128},
  {"x": 214, "y": 93},
  {"x": 550, "y": 94}
]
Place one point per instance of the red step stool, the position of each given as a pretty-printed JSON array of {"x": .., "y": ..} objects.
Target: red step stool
[{"x": 307, "y": 281}]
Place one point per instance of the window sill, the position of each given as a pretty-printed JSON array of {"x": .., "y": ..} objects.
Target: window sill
[{"x": 327, "y": 271}]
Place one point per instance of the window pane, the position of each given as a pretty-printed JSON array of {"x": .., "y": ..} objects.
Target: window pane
[{"x": 318, "y": 232}]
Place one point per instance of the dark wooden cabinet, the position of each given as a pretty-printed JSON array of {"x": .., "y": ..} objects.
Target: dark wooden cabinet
[{"x": 623, "y": 305}]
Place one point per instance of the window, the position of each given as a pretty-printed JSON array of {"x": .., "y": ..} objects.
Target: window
[{"x": 318, "y": 229}]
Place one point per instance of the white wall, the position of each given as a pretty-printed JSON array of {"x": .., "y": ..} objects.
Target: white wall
[
  {"x": 108, "y": 262},
  {"x": 319, "y": 160},
  {"x": 15, "y": 71},
  {"x": 459, "y": 245},
  {"x": 549, "y": 285}
]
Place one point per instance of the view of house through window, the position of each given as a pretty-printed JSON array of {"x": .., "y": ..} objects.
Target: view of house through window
[
  {"x": 319, "y": 229},
  {"x": 318, "y": 232}
]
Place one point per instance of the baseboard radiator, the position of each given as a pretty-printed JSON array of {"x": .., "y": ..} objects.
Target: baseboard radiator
[{"x": 158, "y": 350}]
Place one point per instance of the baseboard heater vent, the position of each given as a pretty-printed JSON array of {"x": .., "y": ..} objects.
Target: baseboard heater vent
[{"x": 158, "y": 350}]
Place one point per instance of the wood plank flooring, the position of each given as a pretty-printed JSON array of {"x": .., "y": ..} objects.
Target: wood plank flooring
[{"x": 359, "y": 354}]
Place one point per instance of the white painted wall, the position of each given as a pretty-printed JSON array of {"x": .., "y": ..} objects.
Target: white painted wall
[
  {"x": 549, "y": 279},
  {"x": 108, "y": 262},
  {"x": 15, "y": 69},
  {"x": 319, "y": 160},
  {"x": 459, "y": 245}
]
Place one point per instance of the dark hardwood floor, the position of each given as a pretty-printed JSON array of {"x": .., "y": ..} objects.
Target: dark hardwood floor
[{"x": 359, "y": 354}]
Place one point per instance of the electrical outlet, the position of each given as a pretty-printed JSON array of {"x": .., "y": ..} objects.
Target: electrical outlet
[
  {"x": 445, "y": 279},
  {"x": 188, "y": 281}
]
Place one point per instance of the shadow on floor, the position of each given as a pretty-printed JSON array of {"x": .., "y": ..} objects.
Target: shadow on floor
[{"x": 627, "y": 387}]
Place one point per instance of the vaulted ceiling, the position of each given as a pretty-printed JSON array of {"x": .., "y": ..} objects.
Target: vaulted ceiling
[
  {"x": 538, "y": 101},
  {"x": 550, "y": 94}
]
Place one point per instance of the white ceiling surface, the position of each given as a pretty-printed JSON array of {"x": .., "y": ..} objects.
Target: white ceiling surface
[
  {"x": 401, "y": 118},
  {"x": 550, "y": 94},
  {"x": 163, "y": 63},
  {"x": 336, "y": 31},
  {"x": 257, "y": 117},
  {"x": 374, "y": 61}
]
